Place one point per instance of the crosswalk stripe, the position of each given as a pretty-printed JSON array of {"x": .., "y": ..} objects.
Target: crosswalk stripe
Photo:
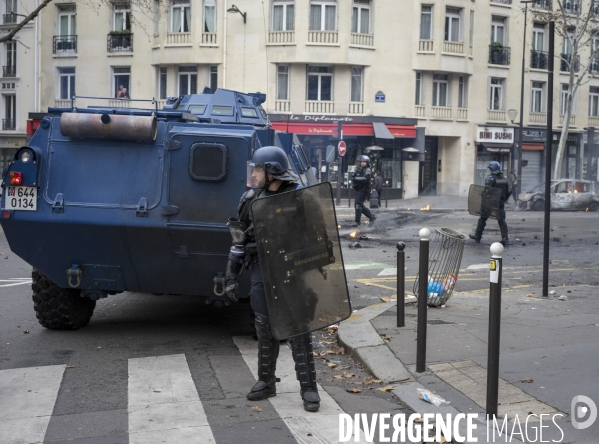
[
  {"x": 27, "y": 397},
  {"x": 164, "y": 406},
  {"x": 323, "y": 426}
]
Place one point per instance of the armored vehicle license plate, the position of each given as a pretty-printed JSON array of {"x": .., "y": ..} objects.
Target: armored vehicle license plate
[{"x": 21, "y": 198}]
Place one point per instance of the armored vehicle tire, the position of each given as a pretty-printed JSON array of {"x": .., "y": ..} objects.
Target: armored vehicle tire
[
  {"x": 59, "y": 308},
  {"x": 539, "y": 205}
]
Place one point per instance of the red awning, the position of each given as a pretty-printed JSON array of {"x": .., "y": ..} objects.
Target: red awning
[
  {"x": 349, "y": 129},
  {"x": 533, "y": 146}
]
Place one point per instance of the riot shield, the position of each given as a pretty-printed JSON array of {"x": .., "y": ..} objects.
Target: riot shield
[
  {"x": 483, "y": 201},
  {"x": 300, "y": 256}
]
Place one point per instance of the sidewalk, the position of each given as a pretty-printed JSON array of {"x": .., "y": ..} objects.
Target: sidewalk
[
  {"x": 445, "y": 203},
  {"x": 549, "y": 350}
]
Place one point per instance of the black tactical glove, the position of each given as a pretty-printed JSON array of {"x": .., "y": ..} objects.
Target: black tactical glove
[
  {"x": 234, "y": 268},
  {"x": 232, "y": 289}
]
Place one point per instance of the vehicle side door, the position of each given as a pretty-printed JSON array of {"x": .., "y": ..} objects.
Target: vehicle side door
[{"x": 561, "y": 195}]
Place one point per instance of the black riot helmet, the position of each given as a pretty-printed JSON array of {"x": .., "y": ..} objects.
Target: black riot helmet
[
  {"x": 494, "y": 167},
  {"x": 363, "y": 158},
  {"x": 270, "y": 159}
]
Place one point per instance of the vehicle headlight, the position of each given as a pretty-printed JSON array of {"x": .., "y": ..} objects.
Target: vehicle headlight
[{"x": 25, "y": 156}]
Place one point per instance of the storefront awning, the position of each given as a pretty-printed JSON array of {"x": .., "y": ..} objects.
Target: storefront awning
[
  {"x": 501, "y": 148},
  {"x": 381, "y": 131},
  {"x": 533, "y": 146}
]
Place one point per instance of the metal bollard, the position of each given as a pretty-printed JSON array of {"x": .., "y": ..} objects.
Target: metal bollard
[
  {"x": 422, "y": 301},
  {"x": 401, "y": 285},
  {"x": 494, "y": 328},
  {"x": 349, "y": 189}
]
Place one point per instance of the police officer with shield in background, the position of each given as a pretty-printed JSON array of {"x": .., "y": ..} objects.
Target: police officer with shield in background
[
  {"x": 268, "y": 174},
  {"x": 361, "y": 183},
  {"x": 495, "y": 180}
]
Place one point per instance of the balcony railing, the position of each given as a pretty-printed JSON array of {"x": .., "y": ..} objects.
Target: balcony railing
[
  {"x": 441, "y": 112},
  {"x": 120, "y": 42},
  {"x": 567, "y": 61},
  {"x": 178, "y": 38},
  {"x": 9, "y": 18},
  {"x": 8, "y": 124},
  {"x": 419, "y": 111},
  {"x": 453, "y": 47},
  {"x": 426, "y": 45},
  {"x": 593, "y": 121},
  {"x": 64, "y": 43},
  {"x": 356, "y": 108},
  {"x": 323, "y": 37},
  {"x": 495, "y": 115},
  {"x": 542, "y": 4},
  {"x": 209, "y": 38},
  {"x": 499, "y": 55},
  {"x": 539, "y": 59},
  {"x": 572, "y": 120},
  {"x": 62, "y": 103},
  {"x": 571, "y": 6},
  {"x": 160, "y": 103},
  {"x": 9, "y": 71},
  {"x": 505, "y": 2},
  {"x": 279, "y": 37},
  {"x": 462, "y": 113},
  {"x": 119, "y": 103},
  {"x": 282, "y": 106},
  {"x": 537, "y": 118},
  {"x": 362, "y": 39},
  {"x": 317, "y": 106}
]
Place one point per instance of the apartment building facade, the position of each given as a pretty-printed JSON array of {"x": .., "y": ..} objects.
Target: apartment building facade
[{"x": 424, "y": 90}]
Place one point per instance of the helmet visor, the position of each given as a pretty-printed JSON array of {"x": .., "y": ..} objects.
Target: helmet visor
[{"x": 256, "y": 176}]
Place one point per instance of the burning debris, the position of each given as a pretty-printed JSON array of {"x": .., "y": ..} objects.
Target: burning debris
[
  {"x": 427, "y": 208},
  {"x": 353, "y": 234}
]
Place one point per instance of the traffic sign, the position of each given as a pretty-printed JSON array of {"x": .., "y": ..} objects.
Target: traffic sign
[{"x": 342, "y": 148}]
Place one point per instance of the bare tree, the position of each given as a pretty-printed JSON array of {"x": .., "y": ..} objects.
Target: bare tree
[{"x": 580, "y": 33}]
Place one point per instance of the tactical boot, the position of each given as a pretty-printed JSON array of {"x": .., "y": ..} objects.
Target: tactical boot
[
  {"x": 372, "y": 218},
  {"x": 474, "y": 237},
  {"x": 505, "y": 241},
  {"x": 268, "y": 352},
  {"x": 301, "y": 347}
]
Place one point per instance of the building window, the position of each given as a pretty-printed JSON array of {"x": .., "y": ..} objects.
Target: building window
[
  {"x": 67, "y": 21},
  {"x": 452, "y": 25},
  {"x": 564, "y": 100},
  {"x": 496, "y": 94},
  {"x": 10, "y": 113},
  {"x": 462, "y": 92},
  {"x": 594, "y": 101},
  {"x": 471, "y": 30},
  {"x": 323, "y": 15},
  {"x": 538, "y": 37},
  {"x": 282, "y": 82},
  {"x": 10, "y": 70},
  {"x": 357, "y": 85},
  {"x": 361, "y": 17},
  {"x": 11, "y": 6},
  {"x": 121, "y": 17},
  {"x": 426, "y": 22},
  {"x": 283, "y": 15},
  {"x": 497, "y": 30},
  {"x": 213, "y": 80},
  {"x": 209, "y": 15},
  {"x": 320, "y": 83},
  {"x": 440, "y": 89},
  {"x": 66, "y": 83},
  {"x": 180, "y": 16},
  {"x": 188, "y": 80},
  {"x": 162, "y": 82},
  {"x": 536, "y": 105},
  {"x": 418, "y": 98},
  {"x": 567, "y": 46},
  {"x": 121, "y": 82}
]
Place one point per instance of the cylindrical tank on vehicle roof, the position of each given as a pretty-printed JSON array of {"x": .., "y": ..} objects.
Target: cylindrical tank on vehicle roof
[{"x": 108, "y": 126}]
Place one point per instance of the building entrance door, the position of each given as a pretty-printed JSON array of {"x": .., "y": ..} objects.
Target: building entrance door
[{"x": 427, "y": 184}]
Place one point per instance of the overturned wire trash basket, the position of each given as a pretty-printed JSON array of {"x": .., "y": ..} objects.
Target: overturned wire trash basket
[{"x": 445, "y": 258}]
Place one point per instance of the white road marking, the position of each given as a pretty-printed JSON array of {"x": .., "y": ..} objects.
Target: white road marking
[
  {"x": 27, "y": 282},
  {"x": 27, "y": 398},
  {"x": 388, "y": 272},
  {"x": 323, "y": 426},
  {"x": 164, "y": 406},
  {"x": 484, "y": 266}
]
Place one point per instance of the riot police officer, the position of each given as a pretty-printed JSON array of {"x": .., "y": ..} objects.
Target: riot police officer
[
  {"x": 268, "y": 174},
  {"x": 361, "y": 183},
  {"x": 496, "y": 180}
]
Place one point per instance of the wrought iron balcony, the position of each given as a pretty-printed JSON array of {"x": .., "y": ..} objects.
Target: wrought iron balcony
[
  {"x": 542, "y": 4},
  {"x": 9, "y": 71},
  {"x": 8, "y": 124},
  {"x": 567, "y": 61},
  {"x": 64, "y": 43},
  {"x": 9, "y": 18},
  {"x": 539, "y": 59},
  {"x": 571, "y": 6},
  {"x": 120, "y": 42},
  {"x": 499, "y": 55}
]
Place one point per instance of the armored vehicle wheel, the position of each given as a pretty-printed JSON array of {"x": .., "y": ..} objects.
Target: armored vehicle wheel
[{"x": 59, "y": 308}]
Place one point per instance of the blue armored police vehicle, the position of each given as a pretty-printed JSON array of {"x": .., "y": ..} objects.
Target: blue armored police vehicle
[{"x": 107, "y": 200}]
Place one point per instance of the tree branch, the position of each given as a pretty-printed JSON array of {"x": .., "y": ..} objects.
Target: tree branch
[{"x": 23, "y": 22}]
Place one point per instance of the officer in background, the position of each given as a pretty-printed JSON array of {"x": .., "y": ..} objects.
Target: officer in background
[
  {"x": 495, "y": 180},
  {"x": 361, "y": 183},
  {"x": 269, "y": 174}
]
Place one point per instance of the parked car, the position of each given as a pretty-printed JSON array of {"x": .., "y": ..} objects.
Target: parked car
[{"x": 566, "y": 194}]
